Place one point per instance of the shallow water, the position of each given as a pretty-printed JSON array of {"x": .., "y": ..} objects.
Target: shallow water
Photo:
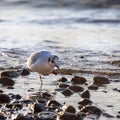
[{"x": 84, "y": 39}]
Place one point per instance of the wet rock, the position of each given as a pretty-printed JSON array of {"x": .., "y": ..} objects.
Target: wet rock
[
  {"x": 42, "y": 101},
  {"x": 116, "y": 89},
  {"x": 27, "y": 101},
  {"x": 63, "y": 79},
  {"x": 10, "y": 74},
  {"x": 10, "y": 87},
  {"x": 2, "y": 117},
  {"x": 63, "y": 86},
  {"x": 118, "y": 116},
  {"x": 13, "y": 96},
  {"x": 107, "y": 115},
  {"x": 46, "y": 95},
  {"x": 5, "y": 81},
  {"x": 69, "y": 109},
  {"x": 4, "y": 98},
  {"x": 76, "y": 88},
  {"x": 80, "y": 115},
  {"x": 18, "y": 97},
  {"x": 67, "y": 92},
  {"x": 91, "y": 110},
  {"x": 53, "y": 103},
  {"x": 20, "y": 116},
  {"x": 1, "y": 91},
  {"x": 9, "y": 106},
  {"x": 25, "y": 72},
  {"x": 101, "y": 80},
  {"x": 46, "y": 116},
  {"x": 85, "y": 94},
  {"x": 78, "y": 80},
  {"x": 93, "y": 87},
  {"x": 38, "y": 108},
  {"x": 66, "y": 116},
  {"x": 85, "y": 102}
]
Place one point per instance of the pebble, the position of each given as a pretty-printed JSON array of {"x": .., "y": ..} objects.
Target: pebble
[
  {"x": 46, "y": 116},
  {"x": 67, "y": 92},
  {"x": 63, "y": 79},
  {"x": 6, "y": 81},
  {"x": 1, "y": 91},
  {"x": 101, "y": 80},
  {"x": 66, "y": 116},
  {"x": 85, "y": 94},
  {"x": 93, "y": 87},
  {"x": 63, "y": 85},
  {"x": 76, "y": 88},
  {"x": 78, "y": 80},
  {"x": 37, "y": 107},
  {"x": 4, "y": 98},
  {"x": 85, "y": 102},
  {"x": 53, "y": 103},
  {"x": 91, "y": 110},
  {"x": 2, "y": 117},
  {"x": 69, "y": 109},
  {"x": 25, "y": 72},
  {"x": 107, "y": 115},
  {"x": 9, "y": 73}
]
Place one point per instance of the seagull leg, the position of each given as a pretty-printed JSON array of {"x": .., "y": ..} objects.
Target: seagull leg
[{"x": 40, "y": 79}]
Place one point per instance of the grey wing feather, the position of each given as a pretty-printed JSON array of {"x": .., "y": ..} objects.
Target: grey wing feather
[{"x": 34, "y": 56}]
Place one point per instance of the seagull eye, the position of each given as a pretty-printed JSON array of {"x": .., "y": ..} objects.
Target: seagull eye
[{"x": 52, "y": 61}]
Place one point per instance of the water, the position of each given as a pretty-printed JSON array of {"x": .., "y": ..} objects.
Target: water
[{"x": 69, "y": 31}]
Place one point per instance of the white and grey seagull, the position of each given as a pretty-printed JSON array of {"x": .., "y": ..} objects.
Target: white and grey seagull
[{"x": 42, "y": 62}]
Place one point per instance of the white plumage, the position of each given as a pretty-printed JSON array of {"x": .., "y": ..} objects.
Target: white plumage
[{"x": 42, "y": 62}]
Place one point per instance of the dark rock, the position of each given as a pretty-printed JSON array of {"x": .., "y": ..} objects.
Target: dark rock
[
  {"x": 5, "y": 81},
  {"x": 42, "y": 101},
  {"x": 118, "y": 116},
  {"x": 38, "y": 108},
  {"x": 93, "y": 87},
  {"x": 10, "y": 87},
  {"x": 1, "y": 91},
  {"x": 69, "y": 109},
  {"x": 18, "y": 97},
  {"x": 107, "y": 115},
  {"x": 25, "y": 72},
  {"x": 53, "y": 103},
  {"x": 116, "y": 89},
  {"x": 63, "y": 86},
  {"x": 10, "y": 74},
  {"x": 46, "y": 116},
  {"x": 20, "y": 116},
  {"x": 2, "y": 117},
  {"x": 4, "y": 98},
  {"x": 63, "y": 79},
  {"x": 76, "y": 88},
  {"x": 18, "y": 106},
  {"x": 46, "y": 95},
  {"x": 9, "y": 106},
  {"x": 80, "y": 115},
  {"x": 85, "y": 101},
  {"x": 66, "y": 116},
  {"x": 85, "y": 94},
  {"x": 67, "y": 92},
  {"x": 78, "y": 80},
  {"x": 27, "y": 101},
  {"x": 101, "y": 80},
  {"x": 91, "y": 110}
]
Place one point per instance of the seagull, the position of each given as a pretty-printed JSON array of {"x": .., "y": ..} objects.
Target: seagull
[{"x": 42, "y": 62}]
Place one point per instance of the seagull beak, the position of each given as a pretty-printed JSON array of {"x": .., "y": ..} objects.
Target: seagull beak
[{"x": 57, "y": 67}]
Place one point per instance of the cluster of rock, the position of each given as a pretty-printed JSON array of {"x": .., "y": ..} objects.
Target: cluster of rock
[{"x": 44, "y": 107}]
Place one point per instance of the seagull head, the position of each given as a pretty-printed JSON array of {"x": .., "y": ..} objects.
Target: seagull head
[{"x": 53, "y": 60}]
